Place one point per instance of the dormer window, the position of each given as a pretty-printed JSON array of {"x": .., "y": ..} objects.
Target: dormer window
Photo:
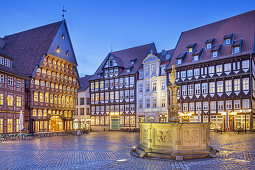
[
  {"x": 132, "y": 62},
  {"x": 110, "y": 63},
  {"x": 128, "y": 70},
  {"x": 195, "y": 58},
  {"x": 179, "y": 61},
  {"x": 63, "y": 36},
  {"x": 215, "y": 54},
  {"x": 228, "y": 39},
  {"x": 190, "y": 50},
  {"x": 67, "y": 54},
  {"x": 236, "y": 50},
  {"x": 58, "y": 50},
  {"x": 209, "y": 46},
  {"x": 191, "y": 47}
]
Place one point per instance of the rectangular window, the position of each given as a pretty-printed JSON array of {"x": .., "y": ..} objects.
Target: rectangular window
[
  {"x": 185, "y": 107},
  {"x": 126, "y": 82},
  {"x": 236, "y": 50},
  {"x": 208, "y": 46},
  {"x": 190, "y": 89},
  {"x": 196, "y": 72},
  {"x": 220, "y": 86},
  {"x": 197, "y": 89},
  {"x": 1, "y": 126},
  {"x": 213, "y": 105},
  {"x": 245, "y": 64},
  {"x": 237, "y": 84},
  {"x": 41, "y": 97},
  {"x": 219, "y": 68},
  {"x": 154, "y": 86},
  {"x": 163, "y": 67},
  {"x": 18, "y": 83},
  {"x": 147, "y": 71},
  {"x": 204, "y": 88},
  {"x": 81, "y": 111},
  {"x": 82, "y": 101},
  {"x": 227, "y": 67},
  {"x": 154, "y": 102},
  {"x": 179, "y": 61},
  {"x": 148, "y": 103},
  {"x": 191, "y": 106},
  {"x": 189, "y": 73},
  {"x": 1, "y": 78},
  {"x": 10, "y": 100},
  {"x": 18, "y": 101},
  {"x": 153, "y": 70},
  {"x": 215, "y": 54},
  {"x": 228, "y": 85},
  {"x": 227, "y": 41},
  {"x": 17, "y": 125},
  {"x": 237, "y": 104},
  {"x": 211, "y": 70},
  {"x": 121, "y": 95},
  {"x": 246, "y": 103},
  {"x": 101, "y": 85},
  {"x": 229, "y": 104},
  {"x": 205, "y": 106},
  {"x": 1, "y": 99},
  {"x": 10, "y": 81},
  {"x": 246, "y": 84},
  {"x": 212, "y": 87},
  {"x": 221, "y": 105},
  {"x": 184, "y": 90},
  {"x": 195, "y": 58},
  {"x": 132, "y": 81},
  {"x": 9, "y": 126},
  {"x": 183, "y": 74},
  {"x": 147, "y": 87},
  {"x": 198, "y": 106},
  {"x": 117, "y": 97},
  {"x": 163, "y": 85},
  {"x": 163, "y": 102}
]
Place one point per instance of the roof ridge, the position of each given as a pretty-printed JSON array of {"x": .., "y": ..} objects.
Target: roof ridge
[
  {"x": 252, "y": 11},
  {"x": 132, "y": 48},
  {"x": 33, "y": 29}
]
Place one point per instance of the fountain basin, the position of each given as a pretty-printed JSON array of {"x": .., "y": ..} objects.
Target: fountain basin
[{"x": 174, "y": 140}]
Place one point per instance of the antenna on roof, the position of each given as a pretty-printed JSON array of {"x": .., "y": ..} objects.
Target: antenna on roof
[
  {"x": 63, "y": 13},
  {"x": 111, "y": 47}
]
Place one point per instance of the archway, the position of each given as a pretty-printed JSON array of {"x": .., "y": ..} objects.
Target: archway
[{"x": 55, "y": 124}]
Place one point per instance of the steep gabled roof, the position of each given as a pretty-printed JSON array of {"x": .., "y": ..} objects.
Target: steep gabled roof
[
  {"x": 28, "y": 47},
  {"x": 241, "y": 27},
  {"x": 84, "y": 82},
  {"x": 124, "y": 57}
]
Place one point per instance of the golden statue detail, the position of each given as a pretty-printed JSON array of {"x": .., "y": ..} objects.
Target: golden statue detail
[{"x": 173, "y": 105}]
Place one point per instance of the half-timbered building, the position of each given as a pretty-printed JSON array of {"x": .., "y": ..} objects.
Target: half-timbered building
[
  {"x": 12, "y": 93},
  {"x": 113, "y": 89},
  {"x": 45, "y": 56},
  {"x": 215, "y": 72}
]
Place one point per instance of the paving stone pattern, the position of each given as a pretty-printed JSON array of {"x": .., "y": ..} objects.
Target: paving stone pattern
[{"x": 110, "y": 150}]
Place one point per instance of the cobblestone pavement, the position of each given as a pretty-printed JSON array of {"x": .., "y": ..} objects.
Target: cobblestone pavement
[{"x": 110, "y": 150}]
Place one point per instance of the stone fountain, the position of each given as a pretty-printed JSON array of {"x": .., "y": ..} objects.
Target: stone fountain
[{"x": 173, "y": 139}]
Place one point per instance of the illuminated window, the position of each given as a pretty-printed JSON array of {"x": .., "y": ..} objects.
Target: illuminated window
[
  {"x": 41, "y": 97},
  {"x": 55, "y": 99},
  {"x": 1, "y": 126},
  {"x": 220, "y": 86},
  {"x": 9, "y": 126},
  {"x": 18, "y": 101},
  {"x": 36, "y": 96},
  {"x": 190, "y": 50},
  {"x": 228, "y": 85},
  {"x": 67, "y": 54},
  {"x": 51, "y": 98},
  {"x": 17, "y": 125},
  {"x": 44, "y": 113},
  {"x": 219, "y": 68},
  {"x": 34, "y": 112},
  {"x": 59, "y": 99},
  {"x": 212, "y": 87},
  {"x": 46, "y": 95},
  {"x": 246, "y": 84},
  {"x": 40, "y": 112},
  {"x": 67, "y": 101},
  {"x": 1, "y": 99},
  {"x": 63, "y": 100},
  {"x": 237, "y": 84},
  {"x": 58, "y": 50},
  {"x": 10, "y": 100}
]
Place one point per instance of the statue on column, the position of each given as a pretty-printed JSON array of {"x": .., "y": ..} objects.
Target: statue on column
[{"x": 173, "y": 105}]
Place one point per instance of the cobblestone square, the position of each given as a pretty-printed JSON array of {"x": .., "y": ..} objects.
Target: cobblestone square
[{"x": 110, "y": 150}]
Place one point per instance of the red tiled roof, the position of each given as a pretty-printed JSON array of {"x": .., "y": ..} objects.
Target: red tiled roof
[
  {"x": 124, "y": 57},
  {"x": 243, "y": 27},
  {"x": 28, "y": 47},
  {"x": 84, "y": 82}
]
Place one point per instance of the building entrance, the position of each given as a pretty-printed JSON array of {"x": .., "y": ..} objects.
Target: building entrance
[
  {"x": 55, "y": 124},
  {"x": 114, "y": 123}
]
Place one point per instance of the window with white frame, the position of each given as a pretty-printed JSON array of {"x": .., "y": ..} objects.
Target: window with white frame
[
  {"x": 221, "y": 105},
  {"x": 179, "y": 61},
  {"x": 163, "y": 102},
  {"x": 205, "y": 106},
  {"x": 163, "y": 85},
  {"x": 245, "y": 84},
  {"x": 195, "y": 58},
  {"x": 198, "y": 106},
  {"x": 197, "y": 88},
  {"x": 132, "y": 81},
  {"x": 140, "y": 74},
  {"x": 153, "y": 70},
  {"x": 208, "y": 45},
  {"x": 227, "y": 67},
  {"x": 147, "y": 87},
  {"x": 246, "y": 103},
  {"x": 211, "y": 70},
  {"x": 1, "y": 78},
  {"x": 190, "y": 89},
  {"x": 220, "y": 86},
  {"x": 229, "y": 104},
  {"x": 154, "y": 102},
  {"x": 140, "y": 88},
  {"x": 163, "y": 67},
  {"x": 228, "y": 85},
  {"x": 212, "y": 87},
  {"x": 196, "y": 72},
  {"x": 237, "y": 104},
  {"x": 147, "y": 71},
  {"x": 191, "y": 106},
  {"x": 237, "y": 84},
  {"x": 184, "y": 90},
  {"x": 204, "y": 88},
  {"x": 245, "y": 64},
  {"x": 215, "y": 54},
  {"x": 219, "y": 68},
  {"x": 147, "y": 103},
  {"x": 10, "y": 81},
  {"x": 227, "y": 41},
  {"x": 183, "y": 74},
  {"x": 140, "y": 103},
  {"x": 205, "y": 70},
  {"x": 202, "y": 71},
  {"x": 189, "y": 73},
  {"x": 7, "y": 62},
  {"x": 236, "y": 49},
  {"x": 185, "y": 107},
  {"x": 213, "y": 105},
  {"x": 154, "y": 86}
]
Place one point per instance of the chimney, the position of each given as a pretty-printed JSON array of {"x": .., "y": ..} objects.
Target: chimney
[{"x": 2, "y": 43}]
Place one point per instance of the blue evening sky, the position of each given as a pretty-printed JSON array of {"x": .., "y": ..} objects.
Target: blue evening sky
[{"x": 96, "y": 25}]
